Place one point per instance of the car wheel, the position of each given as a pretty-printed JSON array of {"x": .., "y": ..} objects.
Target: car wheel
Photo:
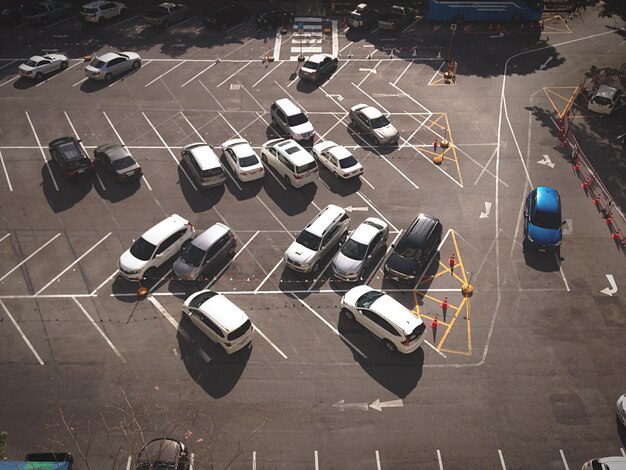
[
  {"x": 108, "y": 77},
  {"x": 287, "y": 180},
  {"x": 389, "y": 346},
  {"x": 264, "y": 158},
  {"x": 38, "y": 76},
  {"x": 136, "y": 64},
  {"x": 231, "y": 251},
  {"x": 348, "y": 314},
  {"x": 336, "y": 175},
  {"x": 343, "y": 237},
  {"x": 150, "y": 275},
  {"x": 315, "y": 266},
  {"x": 63, "y": 65}
]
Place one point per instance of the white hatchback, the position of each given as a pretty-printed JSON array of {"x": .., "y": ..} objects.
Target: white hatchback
[
  {"x": 221, "y": 320},
  {"x": 338, "y": 159},
  {"x": 243, "y": 160}
]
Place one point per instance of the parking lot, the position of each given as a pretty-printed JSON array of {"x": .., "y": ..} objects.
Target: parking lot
[{"x": 524, "y": 373}]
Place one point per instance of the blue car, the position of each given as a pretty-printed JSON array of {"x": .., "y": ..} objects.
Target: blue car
[{"x": 542, "y": 219}]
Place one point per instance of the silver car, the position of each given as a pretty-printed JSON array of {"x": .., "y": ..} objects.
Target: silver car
[
  {"x": 205, "y": 252},
  {"x": 110, "y": 64},
  {"x": 371, "y": 121},
  {"x": 360, "y": 249},
  {"x": 39, "y": 65}
]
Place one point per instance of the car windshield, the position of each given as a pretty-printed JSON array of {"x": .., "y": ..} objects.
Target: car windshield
[
  {"x": 97, "y": 63},
  {"x": 347, "y": 162},
  {"x": 31, "y": 63},
  {"x": 308, "y": 240},
  {"x": 71, "y": 152},
  {"x": 296, "y": 119},
  {"x": 417, "y": 332},
  {"x": 311, "y": 65},
  {"x": 380, "y": 121},
  {"x": 549, "y": 220},
  {"x": 90, "y": 10},
  {"x": 601, "y": 100},
  {"x": 239, "y": 332},
  {"x": 33, "y": 9},
  {"x": 355, "y": 16},
  {"x": 248, "y": 161},
  {"x": 142, "y": 249},
  {"x": 407, "y": 251},
  {"x": 123, "y": 163},
  {"x": 192, "y": 255},
  {"x": 201, "y": 298},
  {"x": 212, "y": 172},
  {"x": 368, "y": 298},
  {"x": 156, "y": 466},
  {"x": 354, "y": 250}
]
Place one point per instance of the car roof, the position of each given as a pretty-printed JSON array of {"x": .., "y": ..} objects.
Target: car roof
[
  {"x": 370, "y": 112},
  {"x": 606, "y": 91},
  {"x": 161, "y": 450},
  {"x": 365, "y": 232},
  {"x": 204, "y": 155},
  {"x": 210, "y": 236},
  {"x": 37, "y": 58},
  {"x": 288, "y": 106},
  {"x": 95, "y": 4},
  {"x": 114, "y": 151},
  {"x": 241, "y": 147},
  {"x": 318, "y": 58},
  {"x": 421, "y": 227},
  {"x": 340, "y": 152},
  {"x": 223, "y": 312},
  {"x": 164, "y": 229},
  {"x": 548, "y": 199},
  {"x": 298, "y": 158},
  {"x": 107, "y": 56},
  {"x": 321, "y": 222},
  {"x": 389, "y": 309}
]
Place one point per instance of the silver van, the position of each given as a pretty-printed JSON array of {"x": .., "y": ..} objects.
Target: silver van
[
  {"x": 205, "y": 252},
  {"x": 203, "y": 164}
]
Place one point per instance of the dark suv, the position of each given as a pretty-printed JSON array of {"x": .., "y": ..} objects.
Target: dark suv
[
  {"x": 226, "y": 16},
  {"x": 273, "y": 18},
  {"x": 414, "y": 250},
  {"x": 163, "y": 453},
  {"x": 69, "y": 156}
]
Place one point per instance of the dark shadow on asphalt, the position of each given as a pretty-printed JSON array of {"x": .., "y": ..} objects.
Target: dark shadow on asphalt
[
  {"x": 544, "y": 262},
  {"x": 113, "y": 190},
  {"x": 291, "y": 201},
  {"x": 199, "y": 200},
  {"x": 340, "y": 186},
  {"x": 70, "y": 192},
  {"x": 220, "y": 373},
  {"x": 366, "y": 143},
  {"x": 399, "y": 373}
]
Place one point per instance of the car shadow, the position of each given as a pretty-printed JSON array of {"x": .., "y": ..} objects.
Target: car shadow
[
  {"x": 112, "y": 190},
  {"x": 399, "y": 373},
  {"x": 340, "y": 186},
  {"x": 621, "y": 430},
  {"x": 125, "y": 291},
  {"x": 240, "y": 189},
  {"x": 26, "y": 83},
  {"x": 69, "y": 192},
  {"x": 198, "y": 200},
  {"x": 206, "y": 363},
  {"x": 91, "y": 86},
  {"x": 361, "y": 140},
  {"x": 544, "y": 262},
  {"x": 291, "y": 201}
]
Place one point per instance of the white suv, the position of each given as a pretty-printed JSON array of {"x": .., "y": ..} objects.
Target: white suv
[
  {"x": 327, "y": 229},
  {"x": 100, "y": 11},
  {"x": 295, "y": 165},
  {"x": 291, "y": 120},
  {"x": 155, "y": 247}
]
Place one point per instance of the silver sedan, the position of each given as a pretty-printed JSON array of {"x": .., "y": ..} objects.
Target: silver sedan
[
  {"x": 110, "y": 64},
  {"x": 39, "y": 65}
]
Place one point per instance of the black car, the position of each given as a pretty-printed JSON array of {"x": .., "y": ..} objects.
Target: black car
[
  {"x": 226, "y": 16},
  {"x": 117, "y": 160},
  {"x": 318, "y": 67},
  {"x": 69, "y": 156},
  {"x": 414, "y": 250},
  {"x": 273, "y": 18},
  {"x": 163, "y": 453}
]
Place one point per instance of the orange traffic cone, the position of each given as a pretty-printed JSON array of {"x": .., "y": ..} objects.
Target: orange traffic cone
[{"x": 435, "y": 323}]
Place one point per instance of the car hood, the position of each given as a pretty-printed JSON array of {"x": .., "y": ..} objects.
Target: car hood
[
  {"x": 129, "y": 263},
  {"x": 184, "y": 270},
  {"x": 353, "y": 294},
  {"x": 299, "y": 253},
  {"x": 401, "y": 264},
  {"x": 544, "y": 236},
  {"x": 386, "y": 132},
  {"x": 347, "y": 265},
  {"x": 302, "y": 129}
]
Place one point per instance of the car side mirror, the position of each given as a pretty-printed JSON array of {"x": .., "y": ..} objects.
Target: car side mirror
[
  {"x": 393, "y": 246},
  {"x": 563, "y": 223}
]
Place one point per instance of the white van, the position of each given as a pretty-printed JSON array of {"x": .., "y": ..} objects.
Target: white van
[
  {"x": 204, "y": 165},
  {"x": 605, "y": 100},
  {"x": 295, "y": 165},
  {"x": 606, "y": 463}
]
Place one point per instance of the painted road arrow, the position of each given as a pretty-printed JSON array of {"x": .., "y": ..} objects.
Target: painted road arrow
[
  {"x": 546, "y": 161},
  {"x": 545, "y": 64},
  {"x": 497, "y": 35},
  {"x": 484, "y": 215},
  {"x": 356, "y": 209},
  {"x": 342, "y": 406},
  {"x": 379, "y": 405},
  {"x": 610, "y": 290}
]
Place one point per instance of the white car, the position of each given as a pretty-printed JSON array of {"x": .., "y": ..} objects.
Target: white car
[
  {"x": 106, "y": 66},
  {"x": 605, "y": 100},
  {"x": 155, "y": 247},
  {"x": 386, "y": 318},
  {"x": 243, "y": 160},
  {"x": 39, "y": 65},
  {"x": 292, "y": 162},
  {"x": 361, "y": 249},
  {"x": 621, "y": 409},
  {"x": 371, "y": 121},
  {"x": 221, "y": 320},
  {"x": 102, "y": 10},
  {"x": 337, "y": 159}
]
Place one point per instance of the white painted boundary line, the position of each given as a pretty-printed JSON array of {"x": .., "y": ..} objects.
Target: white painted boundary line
[
  {"x": 76, "y": 261},
  {"x": 436, "y": 72},
  {"x": 163, "y": 74},
  {"x": 197, "y": 75},
  {"x": 435, "y": 349},
  {"x": 269, "y": 341},
  {"x": 317, "y": 461},
  {"x": 93, "y": 293},
  {"x": 232, "y": 75},
  {"x": 403, "y": 72},
  {"x": 502, "y": 459},
  {"x": 254, "y": 460},
  {"x": 378, "y": 467},
  {"x": 6, "y": 173},
  {"x": 556, "y": 257},
  {"x": 335, "y": 36},
  {"x": 117, "y": 353},
  {"x": 164, "y": 312},
  {"x": 336, "y": 71},
  {"x": 333, "y": 329},
  {"x": 6, "y": 236},
  {"x": 563, "y": 459},
  {"x": 268, "y": 275},
  {"x": 30, "y": 256},
  {"x": 80, "y": 61},
  {"x": 218, "y": 275},
  {"x": 56, "y": 186},
  {"x": 10, "y": 80},
  {"x": 11, "y": 61},
  {"x": 30, "y": 346},
  {"x": 277, "y": 44},
  {"x": 439, "y": 460},
  {"x": 270, "y": 71},
  {"x": 130, "y": 459},
  {"x": 623, "y": 451},
  {"x": 393, "y": 227}
]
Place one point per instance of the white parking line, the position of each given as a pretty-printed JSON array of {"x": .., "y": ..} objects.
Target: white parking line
[
  {"x": 93, "y": 293},
  {"x": 117, "y": 353},
  {"x": 319, "y": 276},
  {"x": 268, "y": 275},
  {"x": 623, "y": 451},
  {"x": 275, "y": 218},
  {"x": 54, "y": 76},
  {"x": 254, "y": 460},
  {"x": 6, "y": 173},
  {"x": 269, "y": 341},
  {"x": 80, "y": 81},
  {"x": 212, "y": 96},
  {"x": 317, "y": 462},
  {"x": 219, "y": 274},
  {"x": 334, "y": 330},
  {"x": 278, "y": 64},
  {"x": 372, "y": 70},
  {"x": 403, "y": 72},
  {"x": 30, "y": 256},
  {"x": 76, "y": 261},
  {"x": 558, "y": 261},
  {"x": 393, "y": 227},
  {"x": 563, "y": 459},
  {"x": 164, "y": 312},
  {"x": 11, "y": 61},
  {"x": 378, "y": 467},
  {"x": 439, "y": 460},
  {"x": 277, "y": 44},
  {"x": 19, "y": 330},
  {"x": 6, "y": 236},
  {"x": 163, "y": 74},
  {"x": 198, "y": 74},
  {"x": 336, "y": 71},
  {"x": 435, "y": 349},
  {"x": 502, "y": 459},
  {"x": 10, "y": 80},
  {"x": 56, "y": 186},
  {"x": 232, "y": 75},
  {"x": 254, "y": 98},
  {"x": 366, "y": 182},
  {"x": 130, "y": 459}
]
